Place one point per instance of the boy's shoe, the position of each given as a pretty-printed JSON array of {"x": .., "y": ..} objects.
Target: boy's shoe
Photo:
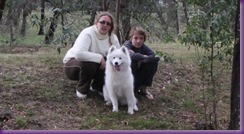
[
  {"x": 143, "y": 90},
  {"x": 80, "y": 95},
  {"x": 94, "y": 90}
]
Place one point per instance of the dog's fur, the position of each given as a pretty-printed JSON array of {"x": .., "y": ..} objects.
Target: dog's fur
[{"x": 118, "y": 88}]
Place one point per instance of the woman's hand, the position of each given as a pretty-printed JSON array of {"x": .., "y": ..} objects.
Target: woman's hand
[{"x": 103, "y": 63}]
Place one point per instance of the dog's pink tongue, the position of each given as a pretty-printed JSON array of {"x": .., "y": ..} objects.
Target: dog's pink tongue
[{"x": 117, "y": 68}]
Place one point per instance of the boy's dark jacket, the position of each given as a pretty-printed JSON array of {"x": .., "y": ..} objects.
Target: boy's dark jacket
[{"x": 137, "y": 56}]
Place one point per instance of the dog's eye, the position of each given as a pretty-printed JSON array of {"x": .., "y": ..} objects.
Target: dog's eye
[
  {"x": 120, "y": 58},
  {"x": 113, "y": 57}
]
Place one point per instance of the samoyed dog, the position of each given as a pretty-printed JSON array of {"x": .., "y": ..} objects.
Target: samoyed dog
[{"x": 119, "y": 88}]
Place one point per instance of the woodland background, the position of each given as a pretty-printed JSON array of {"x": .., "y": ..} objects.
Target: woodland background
[{"x": 197, "y": 85}]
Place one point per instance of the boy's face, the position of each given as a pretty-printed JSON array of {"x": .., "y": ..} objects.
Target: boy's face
[{"x": 137, "y": 40}]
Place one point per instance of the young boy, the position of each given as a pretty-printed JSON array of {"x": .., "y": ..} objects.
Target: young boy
[{"x": 144, "y": 63}]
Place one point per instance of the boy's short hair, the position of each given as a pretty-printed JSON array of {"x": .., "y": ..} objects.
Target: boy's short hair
[{"x": 137, "y": 30}]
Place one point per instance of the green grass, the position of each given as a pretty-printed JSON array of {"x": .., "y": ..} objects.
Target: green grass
[
  {"x": 42, "y": 93},
  {"x": 21, "y": 122},
  {"x": 20, "y": 107},
  {"x": 29, "y": 40},
  {"x": 150, "y": 124},
  {"x": 175, "y": 51}
]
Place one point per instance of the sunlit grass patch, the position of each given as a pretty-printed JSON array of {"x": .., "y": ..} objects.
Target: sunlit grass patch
[
  {"x": 21, "y": 121},
  {"x": 174, "y": 50},
  {"x": 150, "y": 124}
]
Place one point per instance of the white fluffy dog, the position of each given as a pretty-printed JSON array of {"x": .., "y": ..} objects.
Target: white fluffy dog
[{"x": 119, "y": 80}]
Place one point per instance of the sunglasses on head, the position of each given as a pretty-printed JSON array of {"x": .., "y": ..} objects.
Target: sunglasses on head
[{"x": 105, "y": 22}]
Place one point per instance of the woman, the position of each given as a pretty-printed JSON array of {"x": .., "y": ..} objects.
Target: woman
[
  {"x": 144, "y": 63},
  {"x": 85, "y": 61}
]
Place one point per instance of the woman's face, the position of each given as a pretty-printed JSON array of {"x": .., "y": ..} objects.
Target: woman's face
[
  {"x": 137, "y": 40},
  {"x": 104, "y": 25}
]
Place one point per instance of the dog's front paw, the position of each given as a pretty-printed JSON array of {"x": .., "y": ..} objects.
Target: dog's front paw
[
  {"x": 130, "y": 112},
  {"x": 115, "y": 110},
  {"x": 108, "y": 103},
  {"x": 135, "y": 108}
]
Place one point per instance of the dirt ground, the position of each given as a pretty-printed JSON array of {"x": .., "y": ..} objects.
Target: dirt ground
[{"x": 35, "y": 95}]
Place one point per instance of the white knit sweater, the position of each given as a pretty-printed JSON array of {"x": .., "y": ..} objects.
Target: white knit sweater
[{"x": 91, "y": 46}]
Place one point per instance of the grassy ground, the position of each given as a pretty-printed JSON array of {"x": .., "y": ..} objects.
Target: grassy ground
[{"x": 35, "y": 95}]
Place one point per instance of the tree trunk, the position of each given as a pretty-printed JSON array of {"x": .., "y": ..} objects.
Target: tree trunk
[
  {"x": 93, "y": 16},
  {"x": 106, "y": 5},
  {"x": 125, "y": 20},
  {"x": 161, "y": 18},
  {"x": 235, "y": 80},
  {"x": 92, "y": 12},
  {"x": 23, "y": 27},
  {"x": 9, "y": 17},
  {"x": 12, "y": 39},
  {"x": 177, "y": 19},
  {"x": 54, "y": 22},
  {"x": 9, "y": 22},
  {"x": 117, "y": 19},
  {"x": 171, "y": 14},
  {"x": 235, "y": 90},
  {"x": 2, "y": 6},
  {"x": 17, "y": 15},
  {"x": 185, "y": 11},
  {"x": 41, "y": 30}
]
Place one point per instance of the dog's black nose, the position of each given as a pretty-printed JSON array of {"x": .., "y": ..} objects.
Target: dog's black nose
[{"x": 116, "y": 63}]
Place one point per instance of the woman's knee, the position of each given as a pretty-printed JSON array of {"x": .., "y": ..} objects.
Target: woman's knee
[
  {"x": 72, "y": 73},
  {"x": 77, "y": 70}
]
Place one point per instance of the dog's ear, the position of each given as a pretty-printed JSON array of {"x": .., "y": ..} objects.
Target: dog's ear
[
  {"x": 124, "y": 49},
  {"x": 111, "y": 49}
]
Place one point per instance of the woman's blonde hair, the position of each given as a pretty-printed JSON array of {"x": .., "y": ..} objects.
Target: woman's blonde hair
[
  {"x": 137, "y": 30},
  {"x": 110, "y": 16}
]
